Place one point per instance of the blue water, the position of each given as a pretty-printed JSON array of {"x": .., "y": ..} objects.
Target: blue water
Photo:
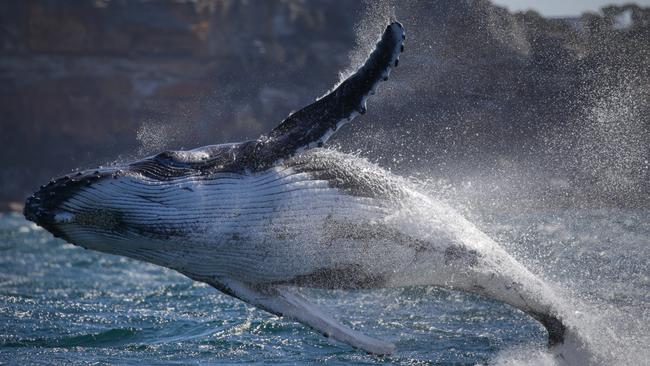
[{"x": 65, "y": 305}]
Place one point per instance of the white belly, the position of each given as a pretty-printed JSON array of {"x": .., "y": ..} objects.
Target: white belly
[{"x": 266, "y": 227}]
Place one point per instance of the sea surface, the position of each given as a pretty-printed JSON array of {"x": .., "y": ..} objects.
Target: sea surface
[{"x": 60, "y": 304}]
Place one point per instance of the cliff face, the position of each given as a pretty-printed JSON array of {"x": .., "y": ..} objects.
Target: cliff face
[{"x": 479, "y": 89}]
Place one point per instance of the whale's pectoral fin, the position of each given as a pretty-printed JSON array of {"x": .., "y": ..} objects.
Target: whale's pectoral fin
[
  {"x": 314, "y": 124},
  {"x": 280, "y": 301}
]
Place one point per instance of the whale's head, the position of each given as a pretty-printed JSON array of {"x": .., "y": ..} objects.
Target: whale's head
[
  {"x": 144, "y": 203},
  {"x": 80, "y": 209}
]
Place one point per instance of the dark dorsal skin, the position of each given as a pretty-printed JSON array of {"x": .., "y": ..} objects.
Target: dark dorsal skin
[{"x": 310, "y": 126}]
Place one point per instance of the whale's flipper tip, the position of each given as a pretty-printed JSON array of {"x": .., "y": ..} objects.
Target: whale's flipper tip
[
  {"x": 554, "y": 326},
  {"x": 397, "y": 28}
]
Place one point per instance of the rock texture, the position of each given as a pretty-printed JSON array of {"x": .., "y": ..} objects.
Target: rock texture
[{"x": 479, "y": 89}]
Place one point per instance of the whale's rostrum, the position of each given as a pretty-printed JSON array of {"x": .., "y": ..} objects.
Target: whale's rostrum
[{"x": 254, "y": 219}]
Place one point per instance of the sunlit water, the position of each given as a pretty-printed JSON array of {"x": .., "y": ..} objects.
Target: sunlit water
[{"x": 63, "y": 304}]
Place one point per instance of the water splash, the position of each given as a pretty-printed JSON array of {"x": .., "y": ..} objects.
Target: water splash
[
  {"x": 594, "y": 260},
  {"x": 154, "y": 137}
]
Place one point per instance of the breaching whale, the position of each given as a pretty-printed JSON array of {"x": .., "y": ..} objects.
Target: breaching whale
[{"x": 256, "y": 218}]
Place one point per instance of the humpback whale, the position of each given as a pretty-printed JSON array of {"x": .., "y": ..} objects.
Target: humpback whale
[{"x": 258, "y": 218}]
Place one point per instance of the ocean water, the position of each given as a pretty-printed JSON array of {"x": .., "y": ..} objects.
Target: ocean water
[{"x": 65, "y": 305}]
